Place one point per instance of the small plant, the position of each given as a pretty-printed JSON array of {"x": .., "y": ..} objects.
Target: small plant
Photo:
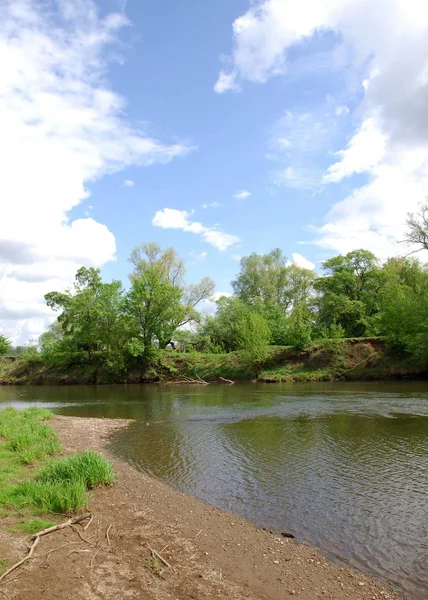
[
  {"x": 3, "y": 563},
  {"x": 153, "y": 563}
]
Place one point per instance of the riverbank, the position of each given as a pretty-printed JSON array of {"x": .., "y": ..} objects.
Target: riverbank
[
  {"x": 334, "y": 360},
  {"x": 210, "y": 553}
]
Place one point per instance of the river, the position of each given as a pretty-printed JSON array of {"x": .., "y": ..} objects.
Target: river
[{"x": 343, "y": 466}]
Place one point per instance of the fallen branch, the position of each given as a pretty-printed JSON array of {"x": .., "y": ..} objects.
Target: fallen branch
[
  {"x": 228, "y": 381},
  {"x": 68, "y": 523},
  {"x": 36, "y": 538}
]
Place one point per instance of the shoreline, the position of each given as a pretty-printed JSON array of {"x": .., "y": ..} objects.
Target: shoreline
[
  {"x": 362, "y": 359},
  {"x": 211, "y": 553}
]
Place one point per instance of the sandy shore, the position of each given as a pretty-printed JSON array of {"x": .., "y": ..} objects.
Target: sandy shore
[{"x": 210, "y": 553}]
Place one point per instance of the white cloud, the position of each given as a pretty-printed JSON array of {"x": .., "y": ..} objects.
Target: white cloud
[
  {"x": 62, "y": 127},
  {"x": 242, "y": 194},
  {"x": 236, "y": 257},
  {"x": 341, "y": 110},
  {"x": 303, "y": 262},
  {"x": 170, "y": 218},
  {"x": 210, "y": 306},
  {"x": 297, "y": 141},
  {"x": 365, "y": 150},
  {"x": 225, "y": 82},
  {"x": 390, "y": 144},
  {"x": 212, "y": 205},
  {"x": 128, "y": 183}
]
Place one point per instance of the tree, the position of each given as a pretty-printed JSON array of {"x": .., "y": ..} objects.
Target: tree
[
  {"x": 5, "y": 345},
  {"x": 348, "y": 294},
  {"x": 272, "y": 286},
  {"x": 159, "y": 301},
  {"x": 253, "y": 338},
  {"x": 417, "y": 232},
  {"x": 269, "y": 279},
  {"x": 403, "y": 316},
  {"x": 91, "y": 319}
]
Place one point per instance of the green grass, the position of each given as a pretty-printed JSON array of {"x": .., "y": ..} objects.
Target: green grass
[
  {"x": 32, "y": 526},
  {"x": 58, "y": 497},
  {"x": 88, "y": 467},
  {"x": 60, "y": 485},
  {"x": 3, "y": 564},
  {"x": 26, "y": 435}
]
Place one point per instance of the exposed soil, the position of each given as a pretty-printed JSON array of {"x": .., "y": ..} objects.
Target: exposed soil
[{"x": 211, "y": 553}]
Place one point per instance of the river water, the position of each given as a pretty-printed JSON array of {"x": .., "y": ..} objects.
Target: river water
[{"x": 343, "y": 466}]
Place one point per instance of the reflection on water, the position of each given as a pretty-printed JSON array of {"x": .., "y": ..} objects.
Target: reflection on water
[{"x": 344, "y": 466}]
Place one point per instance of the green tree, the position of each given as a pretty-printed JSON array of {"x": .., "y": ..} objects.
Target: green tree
[
  {"x": 253, "y": 338},
  {"x": 349, "y": 293},
  {"x": 272, "y": 286},
  {"x": 92, "y": 318},
  {"x": 271, "y": 280},
  {"x": 403, "y": 316},
  {"x": 159, "y": 301},
  {"x": 5, "y": 345}
]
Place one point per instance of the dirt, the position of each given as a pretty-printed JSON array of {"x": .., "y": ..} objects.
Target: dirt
[{"x": 210, "y": 553}]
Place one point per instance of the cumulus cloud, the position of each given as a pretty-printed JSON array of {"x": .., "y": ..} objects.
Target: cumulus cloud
[
  {"x": 303, "y": 262},
  {"x": 62, "y": 127},
  {"x": 389, "y": 144},
  {"x": 170, "y": 218},
  {"x": 128, "y": 183},
  {"x": 242, "y": 194}
]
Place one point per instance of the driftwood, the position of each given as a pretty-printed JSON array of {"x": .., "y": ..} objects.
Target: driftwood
[
  {"x": 187, "y": 380},
  {"x": 228, "y": 381},
  {"x": 36, "y": 538}
]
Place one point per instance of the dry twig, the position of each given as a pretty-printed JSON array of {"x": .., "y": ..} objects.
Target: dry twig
[
  {"x": 107, "y": 535},
  {"x": 36, "y": 538},
  {"x": 159, "y": 557}
]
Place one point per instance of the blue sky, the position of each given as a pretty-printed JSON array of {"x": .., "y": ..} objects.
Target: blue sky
[{"x": 219, "y": 128}]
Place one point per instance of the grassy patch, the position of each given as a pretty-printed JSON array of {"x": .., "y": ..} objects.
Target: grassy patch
[
  {"x": 88, "y": 467},
  {"x": 57, "y": 498},
  {"x": 61, "y": 485},
  {"x": 32, "y": 526},
  {"x": 26, "y": 435}
]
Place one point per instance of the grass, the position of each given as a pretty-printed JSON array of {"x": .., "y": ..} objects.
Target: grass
[
  {"x": 88, "y": 467},
  {"x": 32, "y": 526},
  {"x": 3, "y": 564},
  {"x": 59, "y": 485},
  {"x": 55, "y": 497}
]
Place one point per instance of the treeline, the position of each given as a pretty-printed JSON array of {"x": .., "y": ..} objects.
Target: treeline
[{"x": 273, "y": 303}]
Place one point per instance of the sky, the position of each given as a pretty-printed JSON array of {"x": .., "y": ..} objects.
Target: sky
[{"x": 217, "y": 127}]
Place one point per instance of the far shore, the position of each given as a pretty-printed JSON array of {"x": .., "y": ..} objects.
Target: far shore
[{"x": 207, "y": 553}]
